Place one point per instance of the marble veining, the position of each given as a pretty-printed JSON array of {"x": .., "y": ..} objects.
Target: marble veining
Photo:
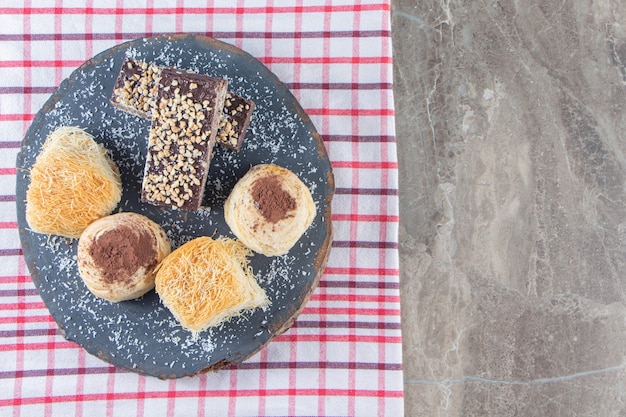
[{"x": 512, "y": 150}]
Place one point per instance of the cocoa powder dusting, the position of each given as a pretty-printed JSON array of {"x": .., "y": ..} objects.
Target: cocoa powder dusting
[
  {"x": 272, "y": 201},
  {"x": 120, "y": 252}
]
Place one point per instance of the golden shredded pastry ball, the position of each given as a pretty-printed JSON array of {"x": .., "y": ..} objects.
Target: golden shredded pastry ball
[
  {"x": 207, "y": 281},
  {"x": 72, "y": 183}
]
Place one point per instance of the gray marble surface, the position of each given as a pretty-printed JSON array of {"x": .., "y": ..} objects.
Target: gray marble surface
[{"x": 511, "y": 130}]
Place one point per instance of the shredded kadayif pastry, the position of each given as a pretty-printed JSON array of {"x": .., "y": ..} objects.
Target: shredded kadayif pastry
[
  {"x": 206, "y": 282},
  {"x": 72, "y": 183}
]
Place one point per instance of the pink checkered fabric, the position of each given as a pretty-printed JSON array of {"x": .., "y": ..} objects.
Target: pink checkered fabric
[{"x": 343, "y": 355}]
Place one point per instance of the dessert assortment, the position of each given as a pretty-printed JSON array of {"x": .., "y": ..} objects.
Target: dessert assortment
[
  {"x": 122, "y": 256},
  {"x": 143, "y": 335}
]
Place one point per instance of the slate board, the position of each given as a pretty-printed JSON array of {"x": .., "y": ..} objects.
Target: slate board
[{"x": 141, "y": 335}]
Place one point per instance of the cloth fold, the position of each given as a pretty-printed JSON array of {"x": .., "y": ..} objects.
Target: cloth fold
[{"x": 343, "y": 354}]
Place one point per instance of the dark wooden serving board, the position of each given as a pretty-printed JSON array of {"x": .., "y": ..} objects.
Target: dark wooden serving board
[{"x": 141, "y": 335}]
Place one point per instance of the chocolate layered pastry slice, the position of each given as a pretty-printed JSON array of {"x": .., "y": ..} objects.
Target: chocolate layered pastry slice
[
  {"x": 135, "y": 91},
  {"x": 135, "y": 88},
  {"x": 236, "y": 117},
  {"x": 185, "y": 120}
]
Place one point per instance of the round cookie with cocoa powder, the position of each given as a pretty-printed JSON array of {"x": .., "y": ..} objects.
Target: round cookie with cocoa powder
[
  {"x": 118, "y": 255},
  {"x": 269, "y": 209}
]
